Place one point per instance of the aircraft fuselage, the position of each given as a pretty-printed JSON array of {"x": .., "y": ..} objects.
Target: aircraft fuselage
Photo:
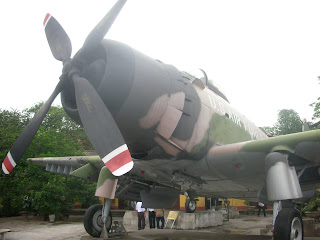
[{"x": 156, "y": 106}]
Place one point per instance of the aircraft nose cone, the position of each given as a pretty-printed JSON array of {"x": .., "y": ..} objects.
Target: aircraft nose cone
[
  {"x": 117, "y": 78},
  {"x": 110, "y": 70}
]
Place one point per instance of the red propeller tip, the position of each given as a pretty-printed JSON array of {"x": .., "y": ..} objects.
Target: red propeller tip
[
  {"x": 8, "y": 164},
  {"x": 119, "y": 161},
  {"x": 123, "y": 169},
  {"x": 46, "y": 19}
]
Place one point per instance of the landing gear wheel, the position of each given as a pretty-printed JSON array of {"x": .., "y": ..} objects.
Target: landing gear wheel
[
  {"x": 288, "y": 225},
  {"x": 191, "y": 205},
  {"x": 131, "y": 205},
  {"x": 93, "y": 222}
]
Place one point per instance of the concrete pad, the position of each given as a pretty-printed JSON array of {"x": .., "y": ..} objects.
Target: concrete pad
[
  {"x": 184, "y": 221},
  {"x": 187, "y": 221},
  {"x": 171, "y": 234},
  {"x": 246, "y": 227},
  {"x": 130, "y": 220}
]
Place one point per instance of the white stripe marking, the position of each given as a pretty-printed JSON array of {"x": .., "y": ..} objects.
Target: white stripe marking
[
  {"x": 13, "y": 163},
  {"x": 124, "y": 169},
  {"x": 4, "y": 169},
  {"x": 114, "y": 153},
  {"x": 47, "y": 21}
]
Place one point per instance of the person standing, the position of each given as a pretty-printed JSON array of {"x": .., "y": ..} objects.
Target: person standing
[
  {"x": 141, "y": 216},
  {"x": 160, "y": 217},
  {"x": 152, "y": 218},
  {"x": 263, "y": 207}
]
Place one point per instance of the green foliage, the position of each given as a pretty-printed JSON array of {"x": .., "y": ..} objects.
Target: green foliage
[
  {"x": 316, "y": 107},
  {"x": 57, "y": 120},
  {"x": 313, "y": 204},
  {"x": 52, "y": 198},
  {"x": 269, "y": 130},
  {"x": 10, "y": 128},
  {"x": 82, "y": 191},
  {"x": 288, "y": 122},
  {"x": 58, "y": 136}
]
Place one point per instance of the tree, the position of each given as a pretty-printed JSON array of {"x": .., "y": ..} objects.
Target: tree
[
  {"x": 316, "y": 109},
  {"x": 269, "y": 130},
  {"x": 288, "y": 122},
  {"x": 57, "y": 120},
  {"x": 58, "y": 136},
  {"x": 10, "y": 128}
]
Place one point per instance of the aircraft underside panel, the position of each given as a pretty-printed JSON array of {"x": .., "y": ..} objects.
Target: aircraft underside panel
[
  {"x": 242, "y": 167},
  {"x": 160, "y": 197}
]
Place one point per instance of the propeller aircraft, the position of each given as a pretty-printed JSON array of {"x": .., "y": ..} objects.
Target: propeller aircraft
[{"x": 159, "y": 132}]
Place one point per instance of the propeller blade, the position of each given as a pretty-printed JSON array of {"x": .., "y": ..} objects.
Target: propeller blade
[
  {"x": 25, "y": 138},
  {"x": 101, "y": 128},
  {"x": 58, "y": 39},
  {"x": 98, "y": 33}
]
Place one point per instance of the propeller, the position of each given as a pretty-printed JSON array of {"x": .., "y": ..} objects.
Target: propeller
[
  {"x": 94, "y": 116},
  {"x": 98, "y": 122},
  {"x": 58, "y": 39}
]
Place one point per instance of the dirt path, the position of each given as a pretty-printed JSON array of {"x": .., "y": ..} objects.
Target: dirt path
[{"x": 71, "y": 229}]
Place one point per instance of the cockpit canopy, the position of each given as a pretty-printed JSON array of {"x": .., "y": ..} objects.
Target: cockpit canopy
[{"x": 200, "y": 74}]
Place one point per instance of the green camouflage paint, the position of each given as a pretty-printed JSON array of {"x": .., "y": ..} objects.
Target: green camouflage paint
[
  {"x": 85, "y": 171},
  {"x": 104, "y": 175},
  {"x": 277, "y": 143},
  {"x": 222, "y": 131},
  {"x": 107, "y": 184}
]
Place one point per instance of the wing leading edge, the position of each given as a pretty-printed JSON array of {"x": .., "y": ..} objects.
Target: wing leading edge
[{"x": 248, "y": 163}]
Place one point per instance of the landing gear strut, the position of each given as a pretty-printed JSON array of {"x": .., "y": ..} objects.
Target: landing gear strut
[
  {"x": 282, "y": 184},
  {"x": 191, "y": 205},
  {"x": 93, "y": 221},
  {"x": 131, "y": 205}
]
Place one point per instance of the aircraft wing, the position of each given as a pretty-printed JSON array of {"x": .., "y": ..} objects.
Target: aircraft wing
[
  {"x": 304, "y": 146},
  {"x": 234, "y": 170},
  {"x": 245, "y": 163},
  {"x": 87, "y": 167},
  {"x": 130, "y": 185}
]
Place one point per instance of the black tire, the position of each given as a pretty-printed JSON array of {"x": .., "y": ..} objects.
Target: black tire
[
  {"x": 92, "y": 220},
  {"x": 190, "y": 205},
  {"x": 131, "y": 205},
  {"x": 288, "y": 225}
]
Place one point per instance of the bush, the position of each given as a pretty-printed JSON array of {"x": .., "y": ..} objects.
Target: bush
[
  {"x": 313, "y": 204},
  {"x": 82, "y": 191},
  {"x": 51, "y": 198},
  {"x": 58, "y": 136},
  {"x": 1, "y": 206}
]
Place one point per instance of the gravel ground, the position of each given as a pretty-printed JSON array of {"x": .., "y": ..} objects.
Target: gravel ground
[
  {"x": 73, "y": 229},
  {"x": 245, "y": 227}
]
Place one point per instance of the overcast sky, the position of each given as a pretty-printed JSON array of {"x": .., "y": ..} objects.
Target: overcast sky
[{"x": 265, "y": 55}]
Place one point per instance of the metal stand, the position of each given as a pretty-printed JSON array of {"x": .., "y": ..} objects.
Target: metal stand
[
  {"x": 117, "y": 229},
  {"x": 173, "y": 215},
  {"x": 227, "y": 203},
  {"x": 173, "y": 221}
]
